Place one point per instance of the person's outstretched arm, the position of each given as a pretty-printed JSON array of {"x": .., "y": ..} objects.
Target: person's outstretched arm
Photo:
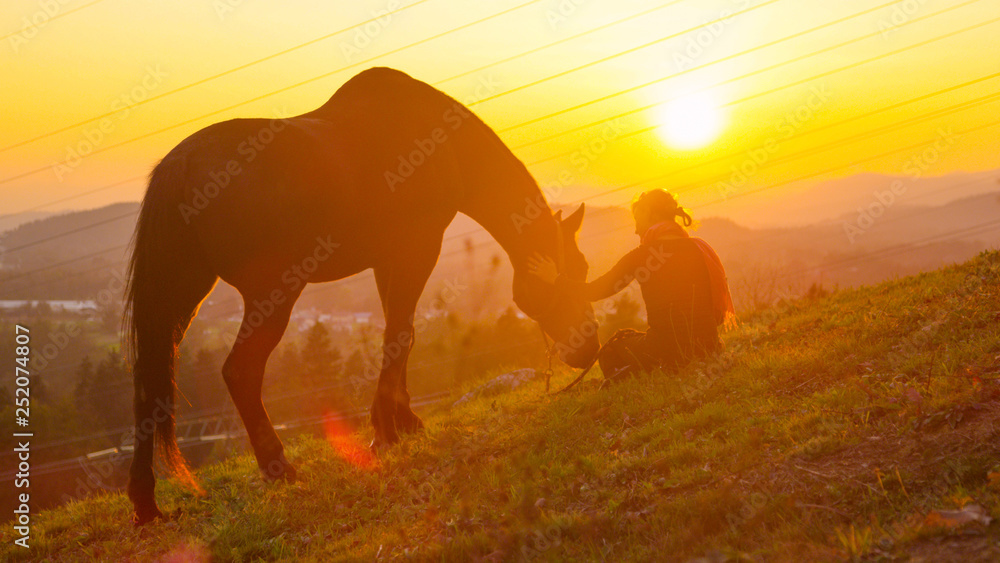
[{"x": 615, "y": 280}]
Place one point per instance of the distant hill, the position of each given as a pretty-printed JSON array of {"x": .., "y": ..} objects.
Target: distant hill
[
  {"x": 13, "y": 220},
  {"x": 71, "y": 234},
  {"x": 807, "y": 202},
  {"x": 76, "y": 255}
]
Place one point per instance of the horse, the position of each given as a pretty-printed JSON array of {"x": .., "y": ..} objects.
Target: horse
[{"x": 369, "y": 180}]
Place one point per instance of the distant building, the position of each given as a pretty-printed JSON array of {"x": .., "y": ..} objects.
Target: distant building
[
  {"x": 338, "y": 321},
  {"x": 57, "y": 306}
]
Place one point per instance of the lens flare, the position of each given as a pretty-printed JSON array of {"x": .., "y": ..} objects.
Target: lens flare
[{"x": 341, "y": 436}]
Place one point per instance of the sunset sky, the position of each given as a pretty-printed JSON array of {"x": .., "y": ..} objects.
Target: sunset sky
[{"x": 686, "y": 94}]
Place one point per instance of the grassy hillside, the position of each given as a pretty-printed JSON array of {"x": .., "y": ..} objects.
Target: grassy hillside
[{"x": 861, "y": 424}]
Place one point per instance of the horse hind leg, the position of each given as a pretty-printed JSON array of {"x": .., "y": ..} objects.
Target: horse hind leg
[{"x": 264, "y": 322}]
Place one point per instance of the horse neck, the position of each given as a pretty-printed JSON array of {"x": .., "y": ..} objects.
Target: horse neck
[{"x": 513, "y": 210}]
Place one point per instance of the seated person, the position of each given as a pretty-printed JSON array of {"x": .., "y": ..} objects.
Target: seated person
[{"x": 683, "y": 285}]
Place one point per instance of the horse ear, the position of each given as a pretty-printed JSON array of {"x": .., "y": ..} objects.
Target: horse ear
[
  {"x": 573, "y": 222},
  {"x": 557, "y": 216}
]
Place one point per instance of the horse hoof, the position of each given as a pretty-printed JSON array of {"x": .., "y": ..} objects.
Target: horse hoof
[
  {"x": 378, "y": 446},
  {"x": 407, "y": 422},
  {"x": 143, "y": 516},
  {"x": 279, "y": 470}
]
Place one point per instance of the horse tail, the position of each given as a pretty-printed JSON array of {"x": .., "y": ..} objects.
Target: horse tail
[{"x": 166, "y": 281}]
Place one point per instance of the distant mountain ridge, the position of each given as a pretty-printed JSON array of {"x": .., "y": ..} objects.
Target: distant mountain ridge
[{"x": 74, "y": 255}]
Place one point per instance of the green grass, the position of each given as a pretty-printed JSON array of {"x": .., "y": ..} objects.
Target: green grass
[{"x": 828, "y": 430}]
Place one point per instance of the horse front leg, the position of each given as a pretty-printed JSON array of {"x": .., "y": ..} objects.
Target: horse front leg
[
  {"x": 399, "y": 287},
  {"x": 391, "y": 414}
]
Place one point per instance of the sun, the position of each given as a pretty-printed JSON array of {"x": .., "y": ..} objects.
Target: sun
[{"x": 690, "y": 122}]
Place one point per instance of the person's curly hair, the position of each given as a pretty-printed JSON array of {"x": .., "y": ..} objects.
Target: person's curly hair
[{"x": 660, "y": 205}]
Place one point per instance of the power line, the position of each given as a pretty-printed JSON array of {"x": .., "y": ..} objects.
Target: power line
[
  {"x": 185, "y": 122},
  {"x": 560, "y": 41},
  {"x": 575, "y": 69},
  {"x": 31, "y": 172},
  {"x": 897, "y": 105},
  {"x": 855, "y": 163},
  {"x": 454, "y": 77},
  {"x": 55, "y": 17},
  {"x": 65, "y": 262},
  {"x": 90, "y": 192},
  {"x": 909, "y": 47},
  {"x": 801, "y": 81},
  {"x": 256, "y": 98},
  {"x": 674, "y": 172},
  {"x": 730, "y": 80},
  {"x": 808, "y": 152},
  {"x": 616, "y": 55},
  {"x": 664, "y": 176},
  {"x": 903, "y": 247},
  {"x": 782, "y": 233},
  {"x": 800, "y": 178},
  {"x": 209, "y": 78},
  {"x": 727, "y": 81},
  {"x": 71, "y": 232}
]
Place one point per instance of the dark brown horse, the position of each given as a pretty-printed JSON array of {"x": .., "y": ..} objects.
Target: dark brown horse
[{"x": 371, "y": 179}]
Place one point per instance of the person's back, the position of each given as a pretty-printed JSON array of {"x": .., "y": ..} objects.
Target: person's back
[{"x": 678, "y": 299}]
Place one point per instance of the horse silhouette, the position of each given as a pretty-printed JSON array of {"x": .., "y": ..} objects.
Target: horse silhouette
[{"x": 370, "y": 179}]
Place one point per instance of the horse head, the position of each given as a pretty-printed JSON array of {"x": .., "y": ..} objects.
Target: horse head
[{"x": 569, "y": 322}]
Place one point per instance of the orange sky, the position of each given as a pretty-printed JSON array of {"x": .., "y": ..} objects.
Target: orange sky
[{"x": 105, "y": 56}]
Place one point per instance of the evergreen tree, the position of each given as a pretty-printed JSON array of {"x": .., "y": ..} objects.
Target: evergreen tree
[
  {"x": 320, "y": 359},
  {"x": 113, "y": 390},
  {"x": 85, "y": 393}
]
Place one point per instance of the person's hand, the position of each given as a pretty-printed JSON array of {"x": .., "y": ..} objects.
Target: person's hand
[{"x": 543, "y": 267}]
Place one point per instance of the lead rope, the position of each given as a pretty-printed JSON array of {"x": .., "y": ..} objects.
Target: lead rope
[
  {"x": 548, "y": 353},
  {"x": 617, "y": 336}
]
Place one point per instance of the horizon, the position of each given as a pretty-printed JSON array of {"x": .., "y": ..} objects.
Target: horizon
[{"x": 989, "y": 184}]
